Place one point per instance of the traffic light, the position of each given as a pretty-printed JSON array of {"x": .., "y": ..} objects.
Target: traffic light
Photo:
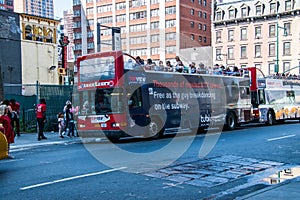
[{"x": 61, "y": 71}]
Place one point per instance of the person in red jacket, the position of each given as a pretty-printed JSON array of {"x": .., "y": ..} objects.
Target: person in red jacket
[
  {"x": 15, "y": 107},
  {"x": 6, "y": 128},
  {"x": 41, "y": 118}
]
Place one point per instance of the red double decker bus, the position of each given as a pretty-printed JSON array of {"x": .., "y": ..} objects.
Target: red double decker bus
[{"x": 118, "y": 98}]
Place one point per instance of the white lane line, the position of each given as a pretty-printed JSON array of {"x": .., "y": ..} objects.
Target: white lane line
[
  {"x": 71, "y": 178},
  {"x": 283, "y": 137}
]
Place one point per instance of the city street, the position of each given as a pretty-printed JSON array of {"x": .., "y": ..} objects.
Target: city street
[{"x": 240, "y": 163}]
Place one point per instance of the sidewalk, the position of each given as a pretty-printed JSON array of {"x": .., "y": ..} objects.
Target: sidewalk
[
  {"x": 289, "y": 189},
  {"x": 29, "y": 140}
]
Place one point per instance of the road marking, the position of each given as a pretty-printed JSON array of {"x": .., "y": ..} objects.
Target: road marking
[
  {"x": 279, "y": 138},
  {"x": 72, "y": 178}
]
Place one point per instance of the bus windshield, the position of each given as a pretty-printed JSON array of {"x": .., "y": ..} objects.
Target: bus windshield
[
  {"x": 108, "y": 101},
  {"x": 97, "y": 69}
]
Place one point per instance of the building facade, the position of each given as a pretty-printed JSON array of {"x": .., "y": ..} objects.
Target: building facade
[
  {"x": 39, "y": 50},
  {"x": 10, "y": 52},
  {"x": 7, "y": 5},
  {"x": 42, "y": 8},
  {"x": 260, "y": 33},
  {"x": 149, "y": 28}
]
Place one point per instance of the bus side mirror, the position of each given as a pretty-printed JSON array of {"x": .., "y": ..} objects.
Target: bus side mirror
[{"x": 130, "y": 102}]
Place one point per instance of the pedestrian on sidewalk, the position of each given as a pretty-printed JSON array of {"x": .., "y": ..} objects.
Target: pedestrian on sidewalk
[
  {"x": 6, "y": 128},
  {"x": 41, "y": 118},
  {"x": 70, "y": 120},
  {"x": 61, "y": 124},
  {"x": 15, "y": 107}
]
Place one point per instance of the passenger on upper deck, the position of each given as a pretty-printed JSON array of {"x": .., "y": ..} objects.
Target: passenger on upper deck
[
  {"x": 179, "y": 65},
  {"x": 169, "y": 66},
  {"x": 201, "y": 69}
]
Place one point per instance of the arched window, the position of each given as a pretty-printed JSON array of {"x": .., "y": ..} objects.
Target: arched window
[
  {"x": 49, "y": 36},
  {"x": 39, "y": 34},
  {"x": 28, "y": 32}
]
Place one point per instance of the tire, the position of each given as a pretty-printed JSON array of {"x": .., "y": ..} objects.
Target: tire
[
  {"x": 231, "y": 121},
  {"x": 155, "y": 129},
  {"x": 270, "y": 118}
]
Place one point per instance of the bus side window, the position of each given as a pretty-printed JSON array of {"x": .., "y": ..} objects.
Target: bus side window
[
  {"x": 261, "y": 97},
  {"x": 135, "y": 99}
]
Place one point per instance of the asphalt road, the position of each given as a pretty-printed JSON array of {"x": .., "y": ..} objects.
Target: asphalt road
[{"x": 229, "y": 165}]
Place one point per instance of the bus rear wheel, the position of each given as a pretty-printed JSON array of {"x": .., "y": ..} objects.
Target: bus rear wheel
[
  {"x": 270, "y": 118},
  {"x": 156, "y": 128},
  {"x": 231, "y": 121}
]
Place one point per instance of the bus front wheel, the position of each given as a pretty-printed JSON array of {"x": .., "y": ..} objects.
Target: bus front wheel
[
  {"x": 156, "y": 128},
  {"x": 231, "y": 121}
]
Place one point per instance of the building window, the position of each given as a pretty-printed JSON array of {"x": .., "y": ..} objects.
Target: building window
[
  {"x": 121, "y": 6},
  {"x": 218, "y": 54},
  {"x": 138, "y": 40},
  {"x": 105, "y": 8},
  {"x": 272, "y": 30},
  {"x": 218, "y": 37},
  {"x": 200, "y": 38},
  {"x": 89, "y": 34},
  {"x": 257, "y": 51},
  {"x": 204, "y": 15},
  {"x": 200, "y": 26},
  {"x": 230, "y": 53},
  {"x": 244, "y": 11},
  {"x": 137, "y": 3},
  {"x": 170, "y": 10},
  {"x": 200, "y": 14},
  {"x": 286, "y": 48},
  {"x": 204, "y": 27},
  {"x": 90, "y": 11},
  {"x": 170, "y": 49},
  {"x": 192, "y": 12},
  {"x": 271, "y": 68},
  {"x": 90, "y": 45},
  {"x": 154, "y": 38},
  {"x": 154, "y": 25},
  {"x": 231, "y": 14},
  {"x": 170, "y": 36},
  {"x": 273, "y": 8},
  {"x": 121, "y": 18},
  {"x": 288, "y": 5},
  {"x": 244, "y": 34},
  {"x": 192, "y": 24},
  {"x": 154, "y": 13},
  {"x": 170, "y": 23},
  {"x": 287, "y": 28},
  {"x": 243, "y": 52},
  {"x": 257, "y": 32},
  {"x": 230, "y": 35},
  {"x": 272, "y": 49},
  {"x": 154, "y": 1},
  {"x": 204, "y": 3},
  {"x": 154, "y": 50},
  {"x": 219, "y": 15},
  {"x": 192, "y": 37},
  {"x": 138, "y": 15},
  {"x": 204, "y": 39},
  {"x": 258, "y": 10},
  {"x": 286, "y": 66},
  {"x": 200, "y": 2}
]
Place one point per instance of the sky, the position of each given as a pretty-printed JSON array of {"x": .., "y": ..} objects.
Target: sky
[{"x": 60, "y": 6}]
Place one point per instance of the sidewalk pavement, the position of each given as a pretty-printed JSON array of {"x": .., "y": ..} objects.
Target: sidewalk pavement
[
  {"x": 289, "y": 189},
  {"x": 29, "y": 140}
]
